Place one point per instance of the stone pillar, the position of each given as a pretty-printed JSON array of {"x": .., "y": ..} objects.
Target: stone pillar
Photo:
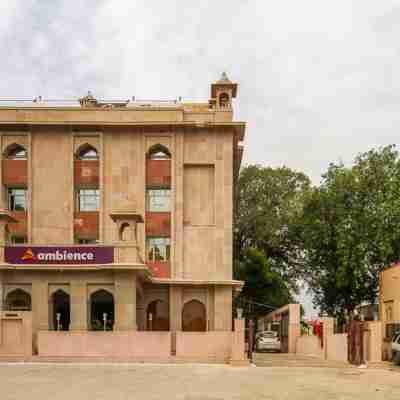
[
  {"x": 175, "y": 308},
  {"x": 40, "y": 305},
  {"x": 175, "y": 314},
  {"x": 140, "y": 316},
  {"x": 373, "y": 348},
  {"x": 125, "y": 300},
  {"x": 238, "y": 355},
  {"x": 223, "y": 308},
  {"x": 78, "y": 306},
  {"x": 1, "y": 291},
  {"x": 294, "y": 327},
  {"x": 328, "y": 324}
]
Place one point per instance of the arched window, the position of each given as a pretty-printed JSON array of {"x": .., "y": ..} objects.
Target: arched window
[
  {"x": 87, "y": 153},
  {"x": 15, "y": 152},
  {"x": 18, "y": 300},
  {"x": 224, "y": 100},
  {"x": 158, "y": 179},
  {"x": 159, "y": 152},
  {"x": 158, "y": 316},
  {"x": 102, "y": 310},
  {"x": 194, "y": 316},
  {"x": 61, "y": 310}
]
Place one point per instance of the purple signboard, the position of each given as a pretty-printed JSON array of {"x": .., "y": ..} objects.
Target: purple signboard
[{"x": 58, "y": 255}]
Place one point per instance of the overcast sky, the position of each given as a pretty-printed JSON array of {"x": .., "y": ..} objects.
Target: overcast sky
[{"x": 317, "y": 78}]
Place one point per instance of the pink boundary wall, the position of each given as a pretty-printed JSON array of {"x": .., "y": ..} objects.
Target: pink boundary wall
[
  {"x": 204, "y": 345},
  {"x": 309, "y": 346},
  {"x": 15, "y": 334},
  {"x": 211, "y": 346},
  {"x": 130, "y": 344},
  {"x": 336, "y": 345}
]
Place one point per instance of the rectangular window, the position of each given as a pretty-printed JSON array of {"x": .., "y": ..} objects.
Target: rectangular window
[
  {"x": 158, "y": 249},
  {"x": 19, "y": 239},
  {"x": 17, "y": 199},
  {"x": 89, "y": 199},
  {"x": 86, "y": 241},
  {"x": 158, "y": 200}
]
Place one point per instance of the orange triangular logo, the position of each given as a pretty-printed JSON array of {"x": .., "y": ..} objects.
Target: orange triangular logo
[{"x": 28, "y": 255}]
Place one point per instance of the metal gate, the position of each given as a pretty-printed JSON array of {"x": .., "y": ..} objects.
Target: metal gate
[
  {"x": 284, "y": 333},
  {"x": 355, "y": 337}
]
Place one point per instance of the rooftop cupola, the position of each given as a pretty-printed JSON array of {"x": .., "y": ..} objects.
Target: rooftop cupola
[{"x": 222, "y": 93}]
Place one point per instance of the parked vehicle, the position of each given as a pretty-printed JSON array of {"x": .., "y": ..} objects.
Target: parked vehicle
[
  {"x": 396, "y": 348},
  {"x": 268, "y": 341}
]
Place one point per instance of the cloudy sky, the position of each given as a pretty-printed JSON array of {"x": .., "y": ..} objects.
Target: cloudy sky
[{"x": 318, "y": 80}]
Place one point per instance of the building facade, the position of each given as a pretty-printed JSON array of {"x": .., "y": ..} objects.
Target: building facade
[
  {"x": 389, "y": 299},
  {"x": 118, "y": 215}
]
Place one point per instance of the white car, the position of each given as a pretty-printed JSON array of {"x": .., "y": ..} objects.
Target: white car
[
  {"x": 396, "y": 348},
  {"x": 268, "y": 341}
]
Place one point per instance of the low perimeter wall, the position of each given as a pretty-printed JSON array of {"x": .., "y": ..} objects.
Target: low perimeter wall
[
  {"x": 212, "y": 345},
  {"x": 336, "y": 347},
  {"x": 217, "y": 346},
  {"x": 15, "y": 334},
  {"x": 309, "y": 346},
  {"x": 133, "y": 344}
]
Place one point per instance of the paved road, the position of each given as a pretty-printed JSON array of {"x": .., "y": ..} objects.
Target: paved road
[{"x": 193, "y": 382}]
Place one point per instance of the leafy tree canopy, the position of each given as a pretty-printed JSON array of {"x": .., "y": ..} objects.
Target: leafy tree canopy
[
  {"x": 350, "y": 230},
  {"x": 268, "y": 203},
  {"x": 262, "y": 285}
]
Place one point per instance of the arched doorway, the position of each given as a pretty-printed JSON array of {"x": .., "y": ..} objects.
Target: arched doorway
[
  {"x": 157, "y": 316},
  {"x": 194, "y": 317},
  {"x": 101, "y": 305},
  {"x": 18, "y": 300},
  {"x": 61, "y": 306}
]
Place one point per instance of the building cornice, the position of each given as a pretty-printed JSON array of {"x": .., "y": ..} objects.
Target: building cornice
[
  {"x": 194, "y": 282},
  {"x": 238, "y": 126}
]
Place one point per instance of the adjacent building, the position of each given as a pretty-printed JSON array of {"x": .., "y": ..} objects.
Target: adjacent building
[
  {"x": 118, "y": 215},
  {"x": 389, "y": 299}
]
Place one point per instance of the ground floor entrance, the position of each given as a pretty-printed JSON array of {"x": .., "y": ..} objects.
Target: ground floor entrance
[
  {"x": 102, "y": 311},
  {"x": 115, "y": 301},
  {"x": 61, "y": 315}
]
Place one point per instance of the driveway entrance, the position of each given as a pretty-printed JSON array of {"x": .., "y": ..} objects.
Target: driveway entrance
[{"x": 294, "y": 360}]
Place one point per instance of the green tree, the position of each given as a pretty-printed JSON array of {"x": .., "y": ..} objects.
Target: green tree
[
  {"x": 262, "y": 286},
  {"x": 268, "y": 202},
  {"x": 351, "y": 230}
]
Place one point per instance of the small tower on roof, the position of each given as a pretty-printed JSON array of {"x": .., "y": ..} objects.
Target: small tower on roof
[{"x": 222, "y": 93}]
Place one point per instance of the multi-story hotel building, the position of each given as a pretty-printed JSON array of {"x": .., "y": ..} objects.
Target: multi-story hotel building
[{"x": 118, "y": 215}]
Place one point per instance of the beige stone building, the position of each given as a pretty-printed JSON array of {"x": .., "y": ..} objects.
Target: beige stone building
[
  {"x": 118, "y": 215},
  {"x": 389, "y": 299}
]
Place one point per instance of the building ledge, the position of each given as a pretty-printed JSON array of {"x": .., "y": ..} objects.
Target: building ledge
[
  {"x": 75, "y": 267},
  {"x": 227, "y": 282}
]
